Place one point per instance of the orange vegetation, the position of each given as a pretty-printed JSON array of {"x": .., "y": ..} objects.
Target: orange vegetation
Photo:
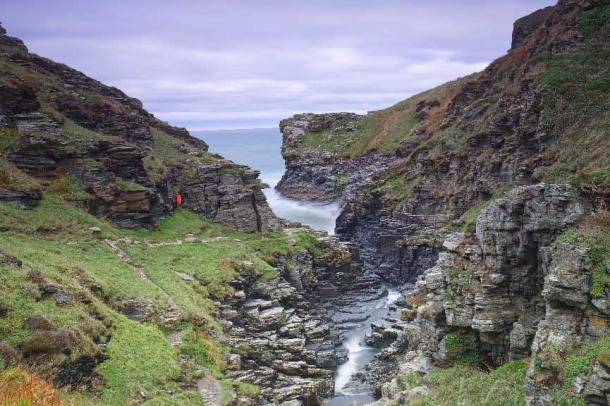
[{"x": 22, "y": 388}]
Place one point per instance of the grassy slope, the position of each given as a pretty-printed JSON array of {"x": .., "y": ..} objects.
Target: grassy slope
[
  {"x": 54, "y": 239},
  {"x": 384, "y": 130},
  {"x": 576, "y": 115}
]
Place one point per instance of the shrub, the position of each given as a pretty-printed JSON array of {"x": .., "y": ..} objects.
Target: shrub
[
  {"x": 23, "y": 388},
  {"x": 205, "y": 352},
  {"x": 594, "y": 20},
  {"x": 463, "y": 347}
]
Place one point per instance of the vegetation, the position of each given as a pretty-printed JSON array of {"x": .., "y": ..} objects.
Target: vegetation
[
  {"x": 593, "y": 233},
  {"x": 464, "y": 384},
  {"x": 576, "y": 93},
  {"x": 7, "y": 137},
  {"x": 11, "y": 176},
  {"x": 571, "y": 362},
  {"x": 55, "y": 245},
  {"x": 462, "y": 347},
  {"x": 69, "y": 188},
  {"x": 23, "y": 388},
  {"x": 139, "y": 359}
]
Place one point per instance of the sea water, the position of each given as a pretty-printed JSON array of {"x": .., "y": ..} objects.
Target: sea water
[{"x": 260, "y": 149}]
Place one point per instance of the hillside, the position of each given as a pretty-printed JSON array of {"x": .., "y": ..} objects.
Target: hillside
[
  {"x": 61, "y": 131},
  {"x": 538, "y": 114},
  {"x": 490, "y": 194},
  {"x": 111, "y": 294}
]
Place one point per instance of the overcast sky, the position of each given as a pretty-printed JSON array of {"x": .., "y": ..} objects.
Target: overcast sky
[{"x": 210, "y": 64}]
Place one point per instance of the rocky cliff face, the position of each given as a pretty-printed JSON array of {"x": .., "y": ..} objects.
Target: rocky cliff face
[
  {"x": 63, "y": 131},
  {"x": 511, "y": 291},
  {"x": 317, "y": 168},
  {"x": 506, "y": 289},
  {"x": 448, "y": 150},
  {"x": 281, "y": 331}
]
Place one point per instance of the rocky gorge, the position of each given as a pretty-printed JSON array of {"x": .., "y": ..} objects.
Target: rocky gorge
[
  {"x": 445, "y": 190},
  {"x": 471, "y": 262}
]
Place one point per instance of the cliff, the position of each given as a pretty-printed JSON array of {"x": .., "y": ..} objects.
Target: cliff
[
  {"x": 490, "y": 193},
  {"x": 62, "y": 131},
  {"x": 112, "y": 295},
  {"x": 539, "y": 113}
]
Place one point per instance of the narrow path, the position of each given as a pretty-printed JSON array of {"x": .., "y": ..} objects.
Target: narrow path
[
  {"x": 174, "y": 313},
  {"x": 209, "y": 388}
]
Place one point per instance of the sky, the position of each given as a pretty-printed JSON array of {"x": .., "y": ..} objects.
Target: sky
[{"x": 223, "y": 64}]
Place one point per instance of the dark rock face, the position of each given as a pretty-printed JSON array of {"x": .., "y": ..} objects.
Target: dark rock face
[
  {"x": 27, "y": 199},
  {"x": 323, "y": 176},
  {"x": 112, "y": 161},
  {"x": 525, "y": 26}
]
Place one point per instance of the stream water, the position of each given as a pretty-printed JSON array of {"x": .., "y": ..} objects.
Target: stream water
[{"x": 355, "y": 312}]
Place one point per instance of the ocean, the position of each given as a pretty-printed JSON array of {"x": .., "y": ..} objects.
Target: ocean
[{"x": 260, "y": 149}]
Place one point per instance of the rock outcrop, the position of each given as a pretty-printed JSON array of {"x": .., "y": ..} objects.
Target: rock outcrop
[
  {"x": 511, "y": 291},
  {"x": 81, "y": 138},
  {"x": 315, "y": 169},
  {"x": 444, "y": 152},
  {"x": 280, "y": 331}
]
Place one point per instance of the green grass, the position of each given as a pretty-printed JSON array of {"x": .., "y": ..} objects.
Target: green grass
[
  {"x": 206, "y": 352},
  {"x": 470, "y": 216},
  {"x": 55, "y": 240},
  {"x": 69, "y": 188},
  {"x": 12, "y": 177},
  {"x": 596, "y": 20},
  {"x": 127, "y": 185},
  {"x": 463, "y": 347},
  {"x": 167, "y": 151},
  {"x": 140, "y": 359},
  {"x": 7, "y": 137},
  {"x": 576, "y": 95},
  {"x": 467, "y": 385},
  {"x": 597, "y": 241},
  {"x": 571, "y": 362}
]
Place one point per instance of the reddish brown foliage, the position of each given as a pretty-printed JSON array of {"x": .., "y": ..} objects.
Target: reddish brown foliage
[{"x": 20, "y": 387}]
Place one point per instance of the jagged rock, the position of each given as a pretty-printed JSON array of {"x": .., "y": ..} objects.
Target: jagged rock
[
  {"x": 27, "y": 199},
  {"x": 325, "y": 177},
  {"x": 525, "y": 26}
]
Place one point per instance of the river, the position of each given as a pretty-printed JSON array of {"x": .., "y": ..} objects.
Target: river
[{"x": 355, "y": 312}]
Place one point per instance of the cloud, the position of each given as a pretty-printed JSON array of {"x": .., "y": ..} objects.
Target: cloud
[{"x": 214, "y": 64}]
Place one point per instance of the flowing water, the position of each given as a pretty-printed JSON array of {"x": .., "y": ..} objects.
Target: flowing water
[
  {"x": 260, "y": 149},
  {"x": 354, "y": 313}
]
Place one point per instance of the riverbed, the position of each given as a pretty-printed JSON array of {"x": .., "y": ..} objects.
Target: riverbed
[{"x": 355, "y": 312}]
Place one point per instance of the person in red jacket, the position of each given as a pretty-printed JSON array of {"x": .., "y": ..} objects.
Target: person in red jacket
[{"x": 178, "y": 200}]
